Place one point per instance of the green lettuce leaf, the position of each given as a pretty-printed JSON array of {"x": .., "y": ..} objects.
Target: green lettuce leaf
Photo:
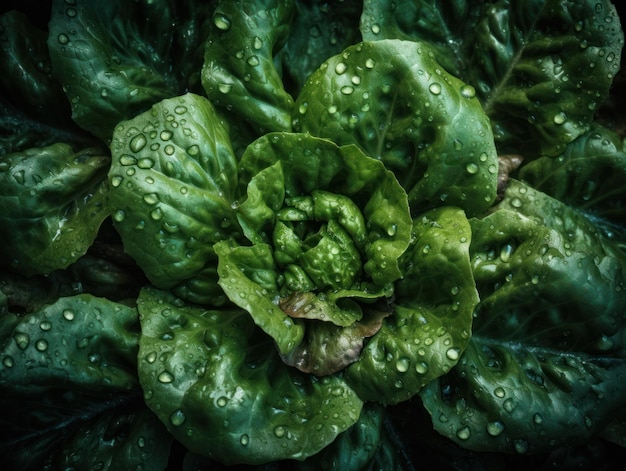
[
  {"x": 116, "y": 58},
  {"x": 222, "y": 390},
  {"x": 239, "y": 72},
  {"x": 52, "y": 203},
  {"x": 399, "y": 105},
  {"x": 588, "y": 176},
  {"x": 432, "y": 313},
  {"x": 546, "y": 363},
  {"x": 541, "y": 68},
  {"x": 327, "y": 226},
  {"x": 173, "y": 178}
]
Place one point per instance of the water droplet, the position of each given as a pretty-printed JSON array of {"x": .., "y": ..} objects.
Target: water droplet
[
  {"x": 177, "y": 418},
  {"x": 402, "y": 365},
  {"x": 455, "y": 290},
  {"x": 169, "y": 150},
  {"x": 467, "y": 91},
  {"x": 464, "y": 433},
  {"x": 165, "y": 377},
  {"x": 495, "y": 428},
  {"x": 119, "y": 215},
  {"x": 63, "y": 39},
  {"x": 499, "y": 392},
  {"x": 516, "y": 202},
  {"x": 116, "y": 181},
  {"x": 435, "y": 88},
  {"x": 340, "y": 68},
  {"x": 68, "y": 314},
  {"x": 41, "y": 345},
  {"x": 521, "y": 446},
  {"x": 151, "y": 198},
  {"x": 222, "y": 22},
  {"x": 138, "y": 142},
  {"x": 257, "y": 43},
  {"x": 127, "y": 159},
  {"x": 22, "y": 340},
  {"x": 8, "y": 362},
  {"x": 151, "y": 357},
  {"x": 145, "y": 163},
  {"x": 509, "y": 405},
  {"x": 222, "y": 401},
  {"x": 370, "y": 63},
  {"x": 225, "y": 87},
  {"x": 166, "y": 135},
  {"x": 244, "y": 439},
  {"x": 45, "y": 326},
  {"x": 279, "y": 431},
  {"x": 537, "y": 418},
  {"x": 472, "y": 168},
  {"x": 253, "y": 61},
  {"x": 347, "y": 90},
  {"x": 421, "y": 367},
  {"x": 559, "y": 118},
  {"x": 453, "y": 353}
]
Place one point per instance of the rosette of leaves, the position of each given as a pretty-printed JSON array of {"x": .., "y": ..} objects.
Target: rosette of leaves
[
  {"x": 546, "y": 363},
  {"x": 396, "y": 102},
  {"x": 325, "y": 228}
]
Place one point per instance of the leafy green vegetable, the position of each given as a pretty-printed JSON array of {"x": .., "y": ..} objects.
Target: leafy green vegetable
[
  {"x": 53, "y": 201},
  {"x": 328, "y": 226},
  {"x": 546, "y": 361},
  {"x": 173, "y": 177},
  {"x": 239, "y": 72},
  {"x": 421, "y": 122},
  {"x": 540, "y": 68},
  {"x": 432, "y": 317},
  {"x": 289, "y": 234},
  {"x": 116, "y": 58},
  {"x": 223, "y": 391}
]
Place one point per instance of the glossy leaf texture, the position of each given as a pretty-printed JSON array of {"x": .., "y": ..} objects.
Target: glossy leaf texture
[
  {"x": 326, "y": 227},
  {"x": 52, "y": 201},
  {"x": 588, "y": 176},
  {"x": 173, "y": 177},
  {"x": 546, "y": 365},
  {"x": 222, "y": 390},
  {"x": 69, "y": 387},
  {"x": 432, "y": 313},
  {"x": 239, "y": 72},
  {"x": 319, "y": 30},
  {"x": 540, "y": 68},
  {"x": 34, "y": 111},
  {"x": 115, "y": 59},
  {"x": 420, "y": 121}
]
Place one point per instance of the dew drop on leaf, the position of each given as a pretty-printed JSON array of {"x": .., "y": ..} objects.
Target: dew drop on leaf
[
  {"x": 165, "y": 377},
  {"x": 435, "y": 88},
  {"x": 495, "y": 428},
  {"x": 464, "y": 433},
  {"x": 177, "y": 418},
  {"x": 222, "y": 22},
  {"x": 22, "y": 340}
]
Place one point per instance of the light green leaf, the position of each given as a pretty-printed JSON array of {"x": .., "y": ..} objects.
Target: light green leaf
[
  {"x": 421, "y": 122},
  {"x": 173, "y": 179},
  {"x": 222, "y": 390}
]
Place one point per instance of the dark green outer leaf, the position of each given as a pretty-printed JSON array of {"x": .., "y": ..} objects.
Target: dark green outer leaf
[
  {"x": 26, "y": 78},
  {"x": 239, "y": 73},
  {"x": 173, "y": 178},
  {"x": 546, "y": 363},
  {"x": 431, "y": 323},
  {"x": 52, "y": 201},
  {"x": 541, "y": 68},
  {"x": 589, "y": 176},
  {"x": 81, "y": 342},
  {"x": 224, "y": 392},
  {"x": 319, "y": 29},
  {"x": 116, "y": 58},
  {"x": 421, "y": 122}
]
